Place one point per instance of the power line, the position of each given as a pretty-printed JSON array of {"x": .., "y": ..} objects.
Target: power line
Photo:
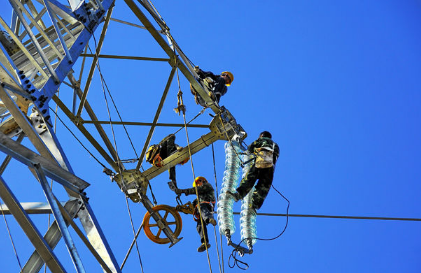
[{"x": 339, "y": 217}]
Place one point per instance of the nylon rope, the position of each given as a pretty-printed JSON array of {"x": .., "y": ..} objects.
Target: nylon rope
[
  {"x": 221, "y": 265},
  {"x": 11, "y": 238}
]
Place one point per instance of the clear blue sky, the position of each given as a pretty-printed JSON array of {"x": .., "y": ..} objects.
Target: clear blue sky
[{"x": 337, "y": 84}]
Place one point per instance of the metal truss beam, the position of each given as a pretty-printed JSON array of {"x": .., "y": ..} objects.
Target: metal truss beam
[
  {"x": 29, "y": 228},
  {"x": 155, "y": 120},
  {"x": 52, "y": 170}
]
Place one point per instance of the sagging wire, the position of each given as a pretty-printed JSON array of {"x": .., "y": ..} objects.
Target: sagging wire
[
  {"x": 80, "y": 142},
  {"x": 103, "y": 83},
  {"x": 11, "y": 238},
  {"x": 234, "y": 252}
]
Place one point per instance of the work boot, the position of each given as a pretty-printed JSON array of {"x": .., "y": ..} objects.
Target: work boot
[
  {"x": 212, "y": 222},
  {"x": 203, "y": 247},
  {"x": 234, "y": 195}
]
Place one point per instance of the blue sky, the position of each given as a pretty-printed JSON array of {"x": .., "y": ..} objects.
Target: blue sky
[{"x": 338, "y": 86}]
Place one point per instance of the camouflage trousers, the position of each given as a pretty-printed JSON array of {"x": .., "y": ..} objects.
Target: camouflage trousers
[
  {"x": 167, "y": 148},
  {"x": 206, "y": 210},
  {"x": 265, "y": 177}
]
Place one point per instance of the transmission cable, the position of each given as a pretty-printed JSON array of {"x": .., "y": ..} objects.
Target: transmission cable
[
  {"x": 80, "y": 142},
  {"x": 103, "y": 83}
]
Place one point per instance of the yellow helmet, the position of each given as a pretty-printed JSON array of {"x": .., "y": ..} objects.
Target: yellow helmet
[
  {"x": 199, "y": 179},
  {"x": 230, "y": 75}
]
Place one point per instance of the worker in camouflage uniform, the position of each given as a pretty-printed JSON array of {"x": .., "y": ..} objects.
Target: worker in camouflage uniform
[
  {"x": 262, "y": 169},
  {"x": 206, "y": 196},
  {"x": 216, "y": 83},
  {"x": 158, "y": 152}
]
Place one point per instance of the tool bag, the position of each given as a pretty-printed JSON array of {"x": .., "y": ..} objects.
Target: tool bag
[{"x": 264, "y": 157}]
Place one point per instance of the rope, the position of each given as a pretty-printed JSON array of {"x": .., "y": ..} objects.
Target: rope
[
  {"x": 11, "y": 238},
  {"x": 221, "y": 265},
  {"x": 194, "y": 176}
]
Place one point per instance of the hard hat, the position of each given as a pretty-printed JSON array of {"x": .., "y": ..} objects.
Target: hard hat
[
  {"x": 265, "y": 134},
  {"x": 199, "y": 179},
  {"x": 229, "y": 75}
]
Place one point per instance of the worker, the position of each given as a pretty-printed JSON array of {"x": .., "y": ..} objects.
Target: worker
[
  {"x": 206, "y": 196},
  {"x": 158, "y": 152},
  {"x": 262, "y": 169},
  {"x": 217, "y": 84}
]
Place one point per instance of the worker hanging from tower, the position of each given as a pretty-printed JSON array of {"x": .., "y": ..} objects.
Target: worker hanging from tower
[
  {"x": 262, "y": 169},
  {"x": 204, "y": 207},
  {"x": 158, "y": 152}
]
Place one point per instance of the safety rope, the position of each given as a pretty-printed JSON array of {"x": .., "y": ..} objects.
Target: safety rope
[
  {"x": 194, "y": 176},
  {"x": 221, "y": 265},
  {"x": 11, "y": 238}
]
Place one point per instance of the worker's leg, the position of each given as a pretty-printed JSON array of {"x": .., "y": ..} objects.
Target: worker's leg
[
  {"x": 207, "y": 214},
  {"x": 262, "y": 187},
  {"x": 202, "y": 232},
  {"x": 247, "y": 182}
]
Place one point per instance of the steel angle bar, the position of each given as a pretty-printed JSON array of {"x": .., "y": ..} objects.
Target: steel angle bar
[
  {"x": 22, "y": 47},
  {"x": 52, "y": 236},
  {"x": 8, "y": 157},
  {"x": 30, "y": 208},
  {"x": 35, "y": 13},
  {"x": 181, "y": 155},
  {"x": 96, "y": 236},
  {"x": 63, "y": 43},
  {"x": 36, "y": 19},
  {"x": 127, "y": 57},
  {"x": 85, "y": 132},
  {"x": 38, "y": 27},
  {"x": 145, "y": 123},
  {"x": 127, "y": 23},
  {"x": 24, "y": 124},
  {"x": 59, "y": 218},
  {"x": 63, "y": 69},
  {"x": 69, "y": 220},
  {"x": 29, "y": 228},
  {"x": 51, "y": 169},
  {"x": 94, "y": 61},
  {"x": 170, "y": 52},
  {"x": 98, "y": 127},
  {"x": 62, "y": 11},
  {"x": 35, "y": 41},
  {"x": 155, "y": 120}
]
